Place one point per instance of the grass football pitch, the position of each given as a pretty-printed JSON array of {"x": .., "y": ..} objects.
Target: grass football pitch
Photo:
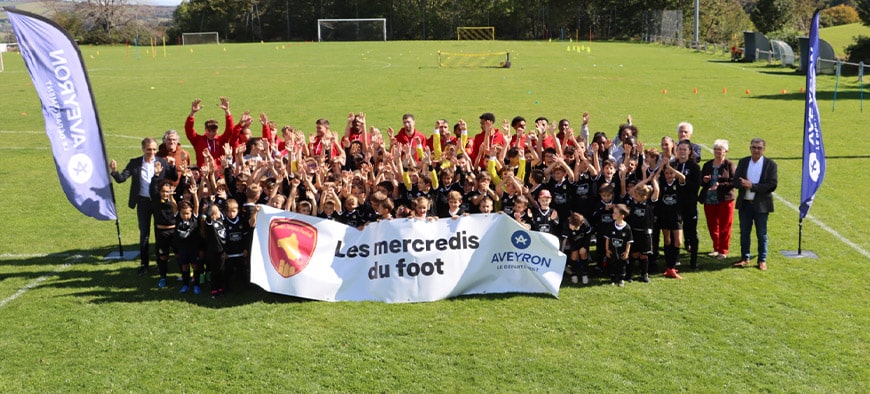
[{"x": 72, "y": 322}]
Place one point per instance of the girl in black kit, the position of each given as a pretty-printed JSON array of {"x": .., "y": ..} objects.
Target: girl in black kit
[
  {"x": 687, "y": 165},
  {"x": 164, "y": 207},
  {"x": 668, "y": 216}
]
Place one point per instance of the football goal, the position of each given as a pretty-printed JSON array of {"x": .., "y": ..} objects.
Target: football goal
[
  {"x": 474, "y": 60},
  {"x": 371, "y": 29},
  {"x": 475, "y": 33},
  {"x": 209, "y": 37}
]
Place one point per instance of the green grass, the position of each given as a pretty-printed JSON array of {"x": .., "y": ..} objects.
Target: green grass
[
  {"x": 93, "y": 326},
  {"x": 842, "y": 36}
]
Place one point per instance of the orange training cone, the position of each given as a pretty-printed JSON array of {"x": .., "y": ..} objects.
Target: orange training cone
[
  {"x": 724, "y": 90},
  {"x": 784, "y": 91},
  {"x": 695, "y": 90},
  {"x": 747, "y": 91},
  {"x": 664, "y": 91},
  {"x": 802, "y": 90}
]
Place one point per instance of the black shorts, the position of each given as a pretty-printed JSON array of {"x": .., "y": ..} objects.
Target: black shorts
[
  {"x": 582, "y": 243},
  {"x": 642, "y": 242},
  {"x": 163, "y": 242},
  {"x": 669, "y": 221}
]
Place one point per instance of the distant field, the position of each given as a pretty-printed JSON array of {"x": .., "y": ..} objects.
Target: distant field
[
  {"x": 842, "y": 36},
  {"x": 72, "y": 322}
]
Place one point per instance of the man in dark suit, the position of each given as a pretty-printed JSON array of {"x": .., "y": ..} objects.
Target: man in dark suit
[
  {"x": 756, "y": 180},
  {"x": 143, "y": 174}
]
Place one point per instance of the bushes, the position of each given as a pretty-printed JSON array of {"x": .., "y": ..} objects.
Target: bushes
[
  {"x": 839, "y": 15},
  {"x": 860, "y": 50}
]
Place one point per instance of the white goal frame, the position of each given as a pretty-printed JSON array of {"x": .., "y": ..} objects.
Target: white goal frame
[
  {"x": 382, "y": 20},
  {"x": 217, "y": 38}
]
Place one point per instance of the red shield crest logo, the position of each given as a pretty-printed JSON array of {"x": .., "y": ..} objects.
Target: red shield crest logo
[{"x": 291, "y": 243}]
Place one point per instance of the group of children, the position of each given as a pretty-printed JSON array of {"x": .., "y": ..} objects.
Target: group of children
[{"x": 588, "y": 192}]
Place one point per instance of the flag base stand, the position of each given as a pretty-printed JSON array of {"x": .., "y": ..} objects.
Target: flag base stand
[
  {"x": 129, "y": 255},
  {"x": 794, "y": 254}
]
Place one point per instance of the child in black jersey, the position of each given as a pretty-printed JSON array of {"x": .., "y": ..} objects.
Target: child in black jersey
[
  {"x": 618, "y": 245},
  {"x": 228, "y": 244},
  {"x": 575, "y": 245},
  {"x": 602, "y": 219},
  {"x": 164, "y": 207},
  {"x": 641, "y": 200},
  {"x": 668, "y": 216},
  {"x": 187, "y": 243},
  {"x": 214, "y": 235},
  {"x": 545, "y": 218},
  {"x": 521, "y": 212}
]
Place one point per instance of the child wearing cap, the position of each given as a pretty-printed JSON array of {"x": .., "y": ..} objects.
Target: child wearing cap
[{"x": 544, "y": 218}]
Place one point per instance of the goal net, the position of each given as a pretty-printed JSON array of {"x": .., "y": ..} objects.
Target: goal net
[
  {"x": 475, "y": 33},
  {"x": 482, "y": 60},
  {"x": 210, "y": 37},
  {"x": 663, "y": 26},
  {"x": 371, "y": 29}
]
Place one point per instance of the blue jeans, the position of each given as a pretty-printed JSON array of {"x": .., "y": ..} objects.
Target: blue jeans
[{"x": 748, "y": 217}]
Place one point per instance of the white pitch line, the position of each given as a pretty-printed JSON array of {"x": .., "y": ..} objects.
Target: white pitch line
[
  {"x": 818, "y": 222},
  {"x": 37, "y": 281},
  {"x": 825, "y": 227}
]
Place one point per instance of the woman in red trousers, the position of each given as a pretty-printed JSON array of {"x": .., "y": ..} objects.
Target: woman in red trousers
[{"x": 717, "y": 194}]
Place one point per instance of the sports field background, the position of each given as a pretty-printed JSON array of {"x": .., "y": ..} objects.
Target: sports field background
[{"x": 70, "y": 321}]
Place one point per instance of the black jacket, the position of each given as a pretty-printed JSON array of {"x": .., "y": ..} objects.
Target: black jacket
[{"x": 763, "y": 201}]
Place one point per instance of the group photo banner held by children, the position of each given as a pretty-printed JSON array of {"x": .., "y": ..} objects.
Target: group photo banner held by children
[{"x": 401, "y": 260}]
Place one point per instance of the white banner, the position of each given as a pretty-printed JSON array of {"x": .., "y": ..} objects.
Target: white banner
[{"x": 401, "y": 260}]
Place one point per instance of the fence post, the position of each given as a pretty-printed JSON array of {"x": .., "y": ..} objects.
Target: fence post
[
  {"x": 836, "y": 84},
  {"x": 861, "y": 83}
]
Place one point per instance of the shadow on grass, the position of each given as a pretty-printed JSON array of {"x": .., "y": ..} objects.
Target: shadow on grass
[
  {"x": 600, "y": 277},
  {"x": 86, "y": 274},
  {"x": 845, "y": 94}
]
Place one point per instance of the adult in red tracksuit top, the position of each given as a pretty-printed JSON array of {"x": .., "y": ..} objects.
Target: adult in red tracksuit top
[{"x": 209, "y": 139}]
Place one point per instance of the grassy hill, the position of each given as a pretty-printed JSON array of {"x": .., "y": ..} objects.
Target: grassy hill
[{"x": 842, "y": 36}]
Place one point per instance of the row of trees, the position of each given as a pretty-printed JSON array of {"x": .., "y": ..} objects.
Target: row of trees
[{"x": 721, "y": 21}]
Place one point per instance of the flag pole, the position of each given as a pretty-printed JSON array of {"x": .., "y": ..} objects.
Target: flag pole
[
  {"x": 54, "y": 59},
  {"x": 800, "y": 234},
  {"x": 813, "y": 163}
]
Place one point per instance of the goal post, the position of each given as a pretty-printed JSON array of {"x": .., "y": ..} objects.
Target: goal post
[
  {"x": 361, "y": 29},
  {"x": 474, "y": 60},
  {"x": 208, "y": 37},
  {"x": 475, "y": 33}
]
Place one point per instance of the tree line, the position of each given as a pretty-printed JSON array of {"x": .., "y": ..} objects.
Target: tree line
[{"x": 721, "y": 21}]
